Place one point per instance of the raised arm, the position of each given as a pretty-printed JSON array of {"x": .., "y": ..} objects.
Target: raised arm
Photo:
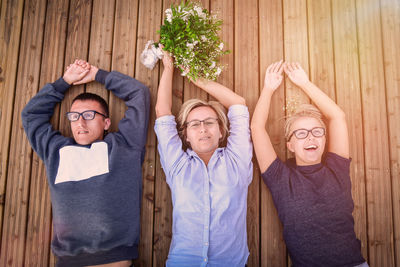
[
  {"x": 37, "y": 113},
  {"x": 164, "y": 94},
  {"x": 133, "y": 127},
  {"x": 223, "y": 94},
  {"x": 262, "y": 143},
  {"x": 337, "y": 126}
]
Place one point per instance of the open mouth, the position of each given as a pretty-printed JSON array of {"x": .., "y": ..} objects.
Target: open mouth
[{"x": 311, "y": 148}]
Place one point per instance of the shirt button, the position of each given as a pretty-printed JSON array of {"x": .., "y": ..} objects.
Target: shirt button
[
  {"x": 206, "y": 227},
  {"x": 206, "y": 192},
  {"x": 205, "y": 259},
  {"x": 206, "y": 243}
]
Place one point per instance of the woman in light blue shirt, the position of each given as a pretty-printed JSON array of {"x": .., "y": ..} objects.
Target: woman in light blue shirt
[{"x": 208, "y": 182}]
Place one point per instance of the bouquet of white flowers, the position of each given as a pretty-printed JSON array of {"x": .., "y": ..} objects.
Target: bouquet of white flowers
[{"x": 190, "y": 34}]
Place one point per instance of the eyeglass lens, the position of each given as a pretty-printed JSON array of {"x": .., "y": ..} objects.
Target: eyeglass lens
[
  {"x": 207, "y": 123},
  {"x": 86, "y": 115},
  {"x": 303, "y": 133}
]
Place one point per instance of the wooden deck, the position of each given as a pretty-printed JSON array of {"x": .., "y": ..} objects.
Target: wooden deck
[{"x": 347, "y": 46}]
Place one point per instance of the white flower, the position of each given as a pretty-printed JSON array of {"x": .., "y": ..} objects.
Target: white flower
[
  {"x": 200, "y": 12},
  {"x": 221, "y": 46},
  {"x": 168, "y": 13},
  {"x": 218, "y": 72},
  {"x": 185, "y": 72},
  {"x": 203, "y": 38},
  {"x": 190, "y": 46},
  {"x": 185, "y": 15},
  {"x": 212, "y": 65}
]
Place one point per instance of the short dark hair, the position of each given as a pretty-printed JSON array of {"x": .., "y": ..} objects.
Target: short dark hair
[{"x": 94, "y": 97}]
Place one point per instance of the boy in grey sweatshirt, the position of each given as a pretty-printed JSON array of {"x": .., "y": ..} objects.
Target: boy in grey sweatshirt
[{"x": 95, "y": 178}]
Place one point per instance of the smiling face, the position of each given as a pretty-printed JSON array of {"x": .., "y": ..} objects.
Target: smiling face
[
  {"x": 204, "y": 139},
  {"x": 307, "y": 151},
  {"x": 86, "y": 132}
]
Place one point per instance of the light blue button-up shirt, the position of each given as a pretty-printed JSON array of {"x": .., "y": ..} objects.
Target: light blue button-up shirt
[{"x": 209, "y": 202}]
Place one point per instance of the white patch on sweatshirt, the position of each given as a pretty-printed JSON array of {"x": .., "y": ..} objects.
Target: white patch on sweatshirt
[{"x": 81, "y": 163}]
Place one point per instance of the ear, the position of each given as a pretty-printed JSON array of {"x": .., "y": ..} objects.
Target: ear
[
  {"x": 107, "y": 123},
  {"x": 289, "y": 145}
]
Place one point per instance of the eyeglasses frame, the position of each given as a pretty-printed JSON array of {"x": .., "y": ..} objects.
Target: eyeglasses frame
[
  {"x": 81, "y": 114},
  {"x": 308, "y": 133}
]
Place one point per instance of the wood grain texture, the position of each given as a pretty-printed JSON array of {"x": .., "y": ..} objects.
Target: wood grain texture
[
  {"x": 296, "y": 47},
  {"x": 273, "y": 249},
  {"x": 124, "y": 51},
  {"x": 19, "y": 174},
  {"x": 148, "y": 24},
  {"x": 39, "y": 215},
  {"x": 101, "y": 41},
  {"x": 247, "y": 85},
  {"x": 11, "y": 15},
  {"x": 377, "y": 165},
  {"x": 348, "y": 96},
  {"x": 390, "y": 18}
]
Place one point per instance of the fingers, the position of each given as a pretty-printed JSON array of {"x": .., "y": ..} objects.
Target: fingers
[
  {"x": 291, "y": 66},
  {"x": 275, "y": 67}
]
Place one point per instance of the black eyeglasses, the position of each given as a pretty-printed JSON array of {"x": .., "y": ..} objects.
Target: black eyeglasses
[
  {"x": 87, "y": 115},
  {"x": 208, "y": 123},
  {"x": 303, "y": 133}
]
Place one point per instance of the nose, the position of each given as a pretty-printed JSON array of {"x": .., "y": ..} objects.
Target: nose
[
  {"x": 203, "y": 127},
  {"x": 81, "y": 121}
]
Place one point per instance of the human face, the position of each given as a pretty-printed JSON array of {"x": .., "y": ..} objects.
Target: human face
[
  {"x": 86, "y": 132},
  {"x": 203, "y": 139},
  {"x": 307, "y": 151}
]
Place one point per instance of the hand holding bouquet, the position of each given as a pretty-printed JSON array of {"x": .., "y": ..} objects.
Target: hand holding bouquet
[{"x": 190, "y": 34}]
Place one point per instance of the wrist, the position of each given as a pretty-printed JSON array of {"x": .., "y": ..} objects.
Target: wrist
[
  {"x": 67, "y": 80},
  {"x": 305, "y": 84},
  {"x": 268, "y": 90}
]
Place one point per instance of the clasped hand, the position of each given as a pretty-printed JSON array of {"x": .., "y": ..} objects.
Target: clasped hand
[{"x": 80, "y": 72}]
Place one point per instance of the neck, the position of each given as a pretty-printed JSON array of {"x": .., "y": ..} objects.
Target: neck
[{"x": 205, "y": 156}]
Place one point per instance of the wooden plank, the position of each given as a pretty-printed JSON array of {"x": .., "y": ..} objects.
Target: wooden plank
[
  {"x": 320, "y": 46},
  {"x": 10, "y": 29},
  {"x": 124, "y": 51},
  {"x": 77, "y": 47},
  {"x": 349, "y": 99},
  {"x": 223, "y": 9},
  {"x": 247, "y": 85},
  {"x": 191, "y": 91},
  {"x": 39, "y": 215},
  {"x": 150, "y": 14},
  {"x": 296, "y": 46},
  {"x": 390, "y": 17},
  {"x": 101, "y": 40},
  {"x": 377, "y": 165},
  {"x": 273, "y": 249},
  {"x": 19, "y": 167}
]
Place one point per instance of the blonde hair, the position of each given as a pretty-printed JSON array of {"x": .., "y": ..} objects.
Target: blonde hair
[
  {"x": 304, "y": 110},
  {"x": 191, "y": 104}
]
